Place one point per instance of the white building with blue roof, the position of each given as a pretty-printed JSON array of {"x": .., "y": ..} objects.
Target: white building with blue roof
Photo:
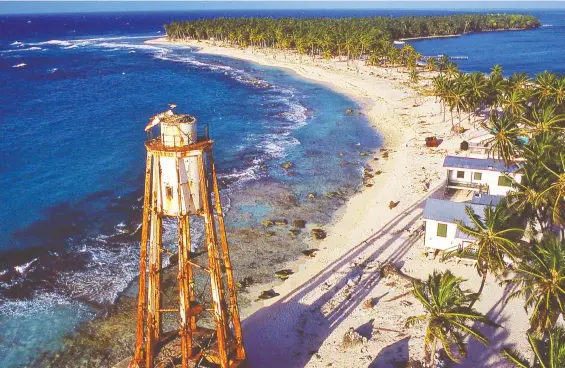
[
  {"x": 483, "y": 175},
  {"x": 440, "y": 216}
]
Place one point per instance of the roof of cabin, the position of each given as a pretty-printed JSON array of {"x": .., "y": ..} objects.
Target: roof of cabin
[
  {"x": 486, "y": 199},
  {"x": 448, "y": 211},
  {"x": 486, "y": 164}
]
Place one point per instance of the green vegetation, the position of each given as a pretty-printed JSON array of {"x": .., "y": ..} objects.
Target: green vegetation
[
  {"x": 343, "y": 37},
  {"x": 526, "y": 119},
  {"x": 448, "y": 317}
]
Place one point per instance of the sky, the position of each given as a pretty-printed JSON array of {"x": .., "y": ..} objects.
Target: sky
[{"x": 42, "y": 6}]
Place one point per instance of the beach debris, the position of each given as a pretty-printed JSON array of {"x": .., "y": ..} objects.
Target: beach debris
[
  {"x": 369, "y": 304},
  {"x": 283, "y": 274},
  {"x": 378, "y": 172},
  {"x": 311, "y": 195},
  {"x": 268, "y": 294},
  {"x": 353, "y": 281},
  {"x": 393, "y": 204},
  {"x": 398, "y": 296},
  {"x": 385, "y": 154},
  {"x": 287, "y": 165},
  {"x": 349, "y": 111},
  {"x": 363, "y": 154},
  {"x": 389, "y": 269},
  {"x": 245, "y": 283},
  {"x": 310, "y": 252},
  {"x": 299, "y": 224},
  {"x": 319, "y": 234},
  {"x": 352, "y": 339}
]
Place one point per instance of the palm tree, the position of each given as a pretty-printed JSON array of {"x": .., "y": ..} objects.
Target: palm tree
[
  {"x": 496, "y": 71},
  {"x": 494, "y": 241},
  {"x": 451, "y": 70},
  {"x": 505, "y": 143},
  {"x": 556, "y": 192},
  {"x": 542, "y": 119},
  {"x": 448, "y": 316},
  {"x": 540, "y": 279},
  {"x": 414, "y": 79},
  {"x": 549, "y": 351},
  {"x": 431, "y": 64}
]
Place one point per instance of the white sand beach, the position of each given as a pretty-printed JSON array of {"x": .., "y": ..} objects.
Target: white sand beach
[{"x": 305, "y": 325}]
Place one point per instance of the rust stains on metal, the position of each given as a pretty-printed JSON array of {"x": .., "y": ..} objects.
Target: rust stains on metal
[{"x": 222, "y": 345}]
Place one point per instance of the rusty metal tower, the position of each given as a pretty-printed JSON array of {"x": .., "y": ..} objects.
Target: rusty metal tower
[{"x": 180, "y": 181}]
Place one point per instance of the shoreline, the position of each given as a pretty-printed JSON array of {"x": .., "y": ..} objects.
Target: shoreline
[{"x": 325, "y": 296}]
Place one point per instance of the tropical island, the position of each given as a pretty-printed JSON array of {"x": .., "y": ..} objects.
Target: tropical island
[
  {"x": 379, "y": 287},
  {"x": 351, "y": 37}
]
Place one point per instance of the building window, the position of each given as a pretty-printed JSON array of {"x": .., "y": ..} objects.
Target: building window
[
  {"x": 504, "y": 181},
  {"x": 442, "y": 230},
  {"x": 460, "y": 174},
  {"x": 477, "y": 176}
]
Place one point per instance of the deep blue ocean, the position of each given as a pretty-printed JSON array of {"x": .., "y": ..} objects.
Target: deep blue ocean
[{"x": 75, "y": 94}]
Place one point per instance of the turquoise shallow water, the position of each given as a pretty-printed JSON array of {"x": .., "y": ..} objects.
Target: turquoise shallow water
[{"x": 76, "y": 92}]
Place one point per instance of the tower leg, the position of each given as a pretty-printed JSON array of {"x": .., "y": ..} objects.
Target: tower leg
[
  {"x": 184, "y": 301},
  {"x": 141, "y": 299},
  {"x": 154, "y": 287},
  {"x": 234, "y": 309},
  {"x": 188, "y": 268},
  {"x": 215, "y": 267}
]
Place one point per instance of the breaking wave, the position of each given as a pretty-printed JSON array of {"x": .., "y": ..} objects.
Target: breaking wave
[{"x": 19, "y": 65}]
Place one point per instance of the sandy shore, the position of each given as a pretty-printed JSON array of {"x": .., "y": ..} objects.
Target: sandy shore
[
  {"x": 305, "y": 325},
  {"x": 430, "y": 37}
]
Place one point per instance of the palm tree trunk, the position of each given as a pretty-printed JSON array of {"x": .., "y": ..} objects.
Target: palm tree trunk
[{"x": 484, "y": 279}]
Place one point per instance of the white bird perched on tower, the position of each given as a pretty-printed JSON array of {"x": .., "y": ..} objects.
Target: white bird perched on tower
[{"x": 157, "y": 118}]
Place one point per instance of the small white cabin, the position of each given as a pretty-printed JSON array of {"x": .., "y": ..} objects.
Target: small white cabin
[
  {"x": 440, "y": 216},
  {"x": 483, "y": 175}
]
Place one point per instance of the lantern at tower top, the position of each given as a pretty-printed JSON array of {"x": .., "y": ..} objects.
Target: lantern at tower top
[{"x": 177, "y": 130}]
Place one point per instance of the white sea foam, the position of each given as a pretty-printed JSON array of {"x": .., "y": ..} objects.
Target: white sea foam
[
  {"x": 19, "y": 65},
  {"x": 42, "y": 303},
  {"x": 17, "y": 44},
  {"x": 22, "y": 269},
  {"x": 21, "y": 50},
  {"x": 53, "y": 70}
]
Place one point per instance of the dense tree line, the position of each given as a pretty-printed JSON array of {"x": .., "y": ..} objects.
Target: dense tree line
[{"x": 330, "y": 37}]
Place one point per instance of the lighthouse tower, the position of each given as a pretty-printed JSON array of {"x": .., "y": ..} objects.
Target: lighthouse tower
[{"x": 180, "y": 182}]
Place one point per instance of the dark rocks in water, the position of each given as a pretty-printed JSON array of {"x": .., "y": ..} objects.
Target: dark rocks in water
[
  {"x": 267, "y": 294},
  {"x": 244, "y": 284},
  {"x": 393, "y": 204},
  {"x": 271, "y": 233},
  {"x": 268, "y": 223},
  {"x": 319, "y": 234},
  {"x": 349, "y": 111},
  {"x": 287, "y": 165},
  {"x": 363, "y": 154},
  {"x": 274, "y": 222},
  {"x": 331, "y": 194},
  {"x": 283, "y": 274},
  {"x": 310, "y": 252},
  {"x": 294, "y": 232},
  {"x": 299, "y": 224}
]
